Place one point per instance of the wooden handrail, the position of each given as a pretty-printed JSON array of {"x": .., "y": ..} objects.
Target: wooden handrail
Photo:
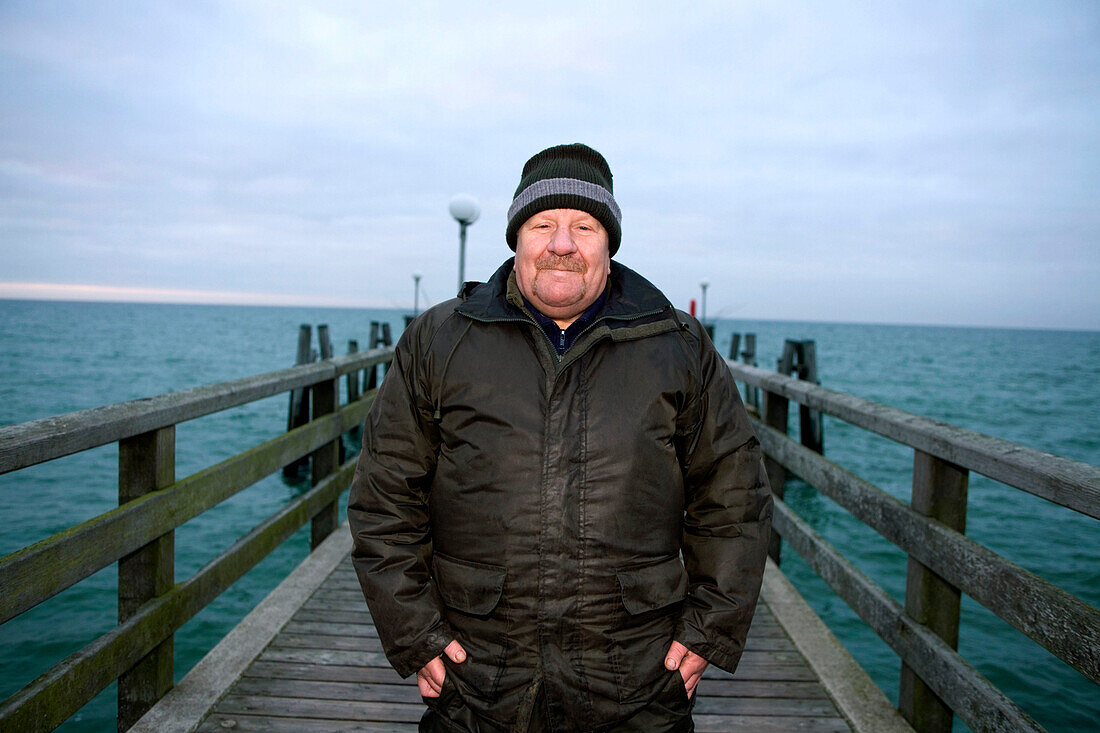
[
  {"x": 1062, "y": 623},
  {"x": 935, "y": 682},
  {"x": 139, "y": 534},
  {"x": 47, "y": 567},
  {"x": 48, "y": 438},
  {"x": 50, "y": 699},
  {"x": 1072, "y": 484},
  {"x": 981, "y": 705}
]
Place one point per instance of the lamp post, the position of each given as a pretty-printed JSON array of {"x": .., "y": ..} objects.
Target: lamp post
[
  {"x": 704, "y": 285},
  {"x": 465, "y": 211},
  {"x": 416, "y": 293}
]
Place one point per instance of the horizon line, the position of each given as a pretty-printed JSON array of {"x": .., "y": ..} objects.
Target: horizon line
[
  {"x": 54, "y": 292},
  {"x": 173, "y": 296}
]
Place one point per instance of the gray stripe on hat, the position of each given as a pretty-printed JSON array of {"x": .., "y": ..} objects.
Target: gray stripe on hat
[{"x": 550, "y": 186}]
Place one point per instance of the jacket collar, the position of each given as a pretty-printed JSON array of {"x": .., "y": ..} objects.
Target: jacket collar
[{"x": 630, "y": 296}]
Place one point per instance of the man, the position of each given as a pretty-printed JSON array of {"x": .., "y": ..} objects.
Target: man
[{"x": 560, "y": 512}]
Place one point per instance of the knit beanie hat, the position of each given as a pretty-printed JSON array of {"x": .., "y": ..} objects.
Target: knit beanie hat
[{"x": 566, "y": 177}]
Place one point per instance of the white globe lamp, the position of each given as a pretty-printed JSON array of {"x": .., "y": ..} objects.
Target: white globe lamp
[{"x": 465, "y": 210}]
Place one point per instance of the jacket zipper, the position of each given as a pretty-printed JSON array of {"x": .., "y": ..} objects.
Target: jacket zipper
[{"x": 596, "y": 322}]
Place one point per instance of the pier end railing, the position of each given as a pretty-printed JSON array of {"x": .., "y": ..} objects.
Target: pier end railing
[
  {"x": 139, "y": 534},
  {"x": 936, "y": 682}
]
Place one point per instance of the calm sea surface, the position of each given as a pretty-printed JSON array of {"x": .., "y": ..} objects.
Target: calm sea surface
[{"x": 1038, "y": 388}]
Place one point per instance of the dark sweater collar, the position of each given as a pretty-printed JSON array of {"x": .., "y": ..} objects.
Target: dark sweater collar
[{"x": 563, "y": 338}]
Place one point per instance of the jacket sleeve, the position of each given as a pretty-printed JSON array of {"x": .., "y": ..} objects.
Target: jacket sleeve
[
  {"x": 389, "y": 518},
  {"x": 727, "y": 520}
]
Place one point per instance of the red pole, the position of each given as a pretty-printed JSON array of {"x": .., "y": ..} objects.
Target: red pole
[{"x": 691, "y": 310}]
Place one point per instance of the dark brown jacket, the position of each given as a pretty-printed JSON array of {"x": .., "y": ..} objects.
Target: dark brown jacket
[{"x": 564, "y": 518}]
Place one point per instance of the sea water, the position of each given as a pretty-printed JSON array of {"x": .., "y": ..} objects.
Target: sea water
[{"x": 1034, "y": 387}]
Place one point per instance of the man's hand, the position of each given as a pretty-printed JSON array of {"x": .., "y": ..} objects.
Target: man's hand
[
  {"x": 690, "y": 664},
  {"x": 430, "y": 677}
]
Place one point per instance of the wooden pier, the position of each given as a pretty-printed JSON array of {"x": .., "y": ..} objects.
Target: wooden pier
[
  {"x": 316, "y": 623},
  {"x": 309, "y": 659}
]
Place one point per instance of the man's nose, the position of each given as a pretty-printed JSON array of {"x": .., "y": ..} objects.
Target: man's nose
[{"x": 562, "y": 242}]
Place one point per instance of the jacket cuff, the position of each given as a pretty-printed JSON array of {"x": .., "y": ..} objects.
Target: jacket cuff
[
  {"x": 697, "y": 642},
  {"x": 424, "y": 649}
]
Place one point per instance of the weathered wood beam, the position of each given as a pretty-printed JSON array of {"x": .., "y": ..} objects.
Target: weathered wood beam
[
  {"x": 1063, "y": 624},
  {"x": 58, "y": 693},
  {"x": 53, "y": 437},
  {"x": 352, "y": 377},
  {"x": 146, "y": 463},
  {"x": 324, "y": 460},
  {"x": 40, "y": 571},
  {"x": 324, "y": 341},
  {"x": 748, "y": 357},
  {"x": 370, "y": 378},
  {"x": 296, "y": 415},
  {"x": 939, "y": 492},
  {"x": 973, "y": 698},
  {"x": 1061, "y": 480},
  {"x": 775, "y": 417}
]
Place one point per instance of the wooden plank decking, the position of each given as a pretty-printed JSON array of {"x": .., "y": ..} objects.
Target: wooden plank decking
[{"x": 325, "y": 671}]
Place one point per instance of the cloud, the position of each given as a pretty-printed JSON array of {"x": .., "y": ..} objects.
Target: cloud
[{"x": 311, "y": 148}]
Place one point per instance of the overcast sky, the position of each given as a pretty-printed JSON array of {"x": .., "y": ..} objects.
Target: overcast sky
[{"x": 871, "y": 162}]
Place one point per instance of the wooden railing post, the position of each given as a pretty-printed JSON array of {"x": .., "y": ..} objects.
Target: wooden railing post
[
  {"x": 324, "y": 340},
  {"x": 748, "y": 356},
  {"x": 324, "y": 461},
  {"x": 735, "y": 344},
  {"x": 799, "y": 360},
  {"x": 370, "y": 379},
  {"x": 380, "y": 335},
  {"x": 387, "y": 341},
  {"x": 353, "y": 377},
  {"x": 146, "y": 463},
  {"x": 775, "y": 416},
  {"x": 298, "y": 413},
  {"x": 326, "y": 458},
  {"x": 939, "y": 492}
]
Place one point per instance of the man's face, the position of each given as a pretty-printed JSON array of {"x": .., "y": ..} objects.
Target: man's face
[{"x": 562, "y": 262}]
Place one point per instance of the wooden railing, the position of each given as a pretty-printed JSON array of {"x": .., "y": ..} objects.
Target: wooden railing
[
  {"x": 139, "y": 534},
  {"x": 936, "y": 682}
]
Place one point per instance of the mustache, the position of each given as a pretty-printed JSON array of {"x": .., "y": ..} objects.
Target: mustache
[{"x": 551, "y": 261}]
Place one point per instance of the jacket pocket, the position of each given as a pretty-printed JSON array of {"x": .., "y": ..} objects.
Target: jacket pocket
[
  {"x": 472, "y": 593},
  {"x": 469, "y": 587},
  {"x": 653, "y": 587},
  {"x": 651, "y": 598}
]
